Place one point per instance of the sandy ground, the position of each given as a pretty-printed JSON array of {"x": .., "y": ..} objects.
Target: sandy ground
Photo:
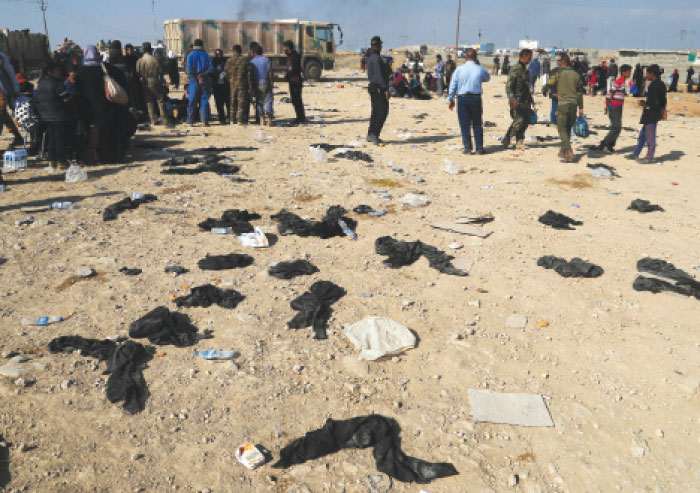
[{"x": 618, "y": 367}]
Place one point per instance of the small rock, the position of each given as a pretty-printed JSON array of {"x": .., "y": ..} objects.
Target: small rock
[
  {"x": 474, "y": 303},
  {"x": 136, "y": 456},
  {"x": 516, "y": 321},
  {"x": 513, "y": 480},
  {"x": 660, "y": 433},
  {"x": 21, "y": 382},
  {"x": 66, "y": 383}
]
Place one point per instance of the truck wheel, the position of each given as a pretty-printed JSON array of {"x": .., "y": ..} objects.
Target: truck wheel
[{"x": 313, "y": 71}]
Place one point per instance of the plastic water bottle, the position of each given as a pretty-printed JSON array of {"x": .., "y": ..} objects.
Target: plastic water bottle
[
  {"x": 62, "y": 205},
  {"x": 215, "y": 354},
  {"x": 14, "y": 160},
  {"x": 136, "y": 196},
  {"x": 42, "y": 320},
  {"x": 221, "y": 231},
  {"x": 377, "y": 213},
  {"x": 348, "y": 232}
]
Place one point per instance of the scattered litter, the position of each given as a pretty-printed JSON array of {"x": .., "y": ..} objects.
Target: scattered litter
[
  {"x": 314, "y": 307},
  {"x": 575, "y": 206},
  {"x": 613, "y": 192},
  {"x": 601, "y": 173},
  {"x": 214, "y": 354},
  {"x": 374, "y": 430},
  {"x": 75, "y": 174},
  {"x": 558, "y": 221},
  {"x": 176, "y": 269},
  {"x": 346, "y": 230},
  {"x": 451, "y": 167},
  {"x": 25, "y": 222},
  {"x": 379, "y": 336},
  {"x": 249, "y": 455},
  {"x": 379, "y": 213},
  {"x": 163, "y": 210},
  {"x": 130, "y": 272},
  {"x": 41, "y": 321},
  {"x": 497, "y": 137},
  {"x": 364, "y": 294},
  {"x": 516, "y": 321},
  {"x": 644, "y": 206},
  {"x": 85, "y": 271},
  {"x": 455, "y": 227},
  {"x": 478, "y": 219},
  {"x": 455, "y": 246},
  {"x": 452, "y": 147},
  {"x": 260, "y": 137},
  {"x": 575, "y": 268},
  {"x": 414, "y": 200},
  {"x": 542, "y": 324},
  {"x": 487, "y": 187},
  {"x": 362, "y": 209},
  {"x": 256, "y": 239},
  {"x": 512, "y": 409},
  {"x": 418, "y": 179},
  {"x": 289, "y": 270}
]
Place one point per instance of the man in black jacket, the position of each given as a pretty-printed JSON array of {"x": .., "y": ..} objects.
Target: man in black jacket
[
  {"x": 293, "y": 76},
  {"x": 378, "y": 74},
  {"x": 654, "y": 110}
]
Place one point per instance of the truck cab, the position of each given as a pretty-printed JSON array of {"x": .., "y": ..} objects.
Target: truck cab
[{"x": 317, "y": 47}]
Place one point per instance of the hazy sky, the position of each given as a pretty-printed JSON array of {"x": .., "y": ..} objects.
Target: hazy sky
[{"x": 661, "y": 24}]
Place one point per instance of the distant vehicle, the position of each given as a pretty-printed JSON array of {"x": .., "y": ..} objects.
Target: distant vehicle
[
  {"x": 26, "y": 50},
  {"x": 315, "y": 41}
]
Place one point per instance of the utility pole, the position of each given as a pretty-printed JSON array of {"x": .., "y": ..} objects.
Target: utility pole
[
  {"x": 459, "y": 14},
  {"x": 43, "y": 6}
]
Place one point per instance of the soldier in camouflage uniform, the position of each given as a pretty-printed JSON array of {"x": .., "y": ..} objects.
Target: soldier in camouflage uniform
[
  {"x": 568, "y": 85},
  {"x": 240, "y": 78},
  {"x": 519, "y": 99}
]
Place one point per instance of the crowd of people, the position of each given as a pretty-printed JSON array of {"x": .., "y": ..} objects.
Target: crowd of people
[{"x": 81, "y": 117}]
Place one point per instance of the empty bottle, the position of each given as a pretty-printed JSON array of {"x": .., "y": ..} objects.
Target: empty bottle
[
  {"x": 42, "y": 320},
  {"x": 62, "y": 205},
  {"x": 221, "y": 231},
  {"x": 377, "y": 213},
  {"x": 136, "y": 196},
  {"x": 348, "y": 232},
  {"x": 215, "y": 354}
]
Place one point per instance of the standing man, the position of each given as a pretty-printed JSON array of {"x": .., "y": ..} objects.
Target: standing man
[
  {"x": 689, "y": 78},
  {"x": 466, "y": 85},
  {"x": 534, "y": 74},
  {"x": 293, "y": 76},
  {"x": 519, "y": 99},
  {"x": 546, "y": 70},
  {"x": 439, "y": 75},
  {"x": 199, "y": 68},
  {"x": 654, "y": 110},
  {"x": 614, "y": 101},
  {"x": 450, "y": 67},
  {"x": 9, "y": 91},
  {"x": 496, "y": 64},
  {"x": 378, "y": 74},
  {"x": 221, "y": 87},
  {"x": 240, "y": 81},
  {"x": 264, "y": 77},
  {"x": 150, "y": 73},
  {"x": 506, "y": 65},
  {"x": 569, "y": 88},
  {"x": 612, "y": 74}
]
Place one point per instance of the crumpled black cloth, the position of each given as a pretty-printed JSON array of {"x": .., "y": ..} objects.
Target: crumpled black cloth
[
  {"x": 288, "y": 270},
  {"x": 684, "y": 283},
  {"x": 222, "y": 262},
  {"x": 361, "y": 432},
  {"x": 327, "y": 147},
  {"x": 176, "y": 269},
  {"x": 362, "y": 209},
  {"x": 112, "y": 211},
  {"x": 558, "y": 221},
  {"x": 402, "y": 253},
  {"x": 130, "y": 272},
  {"x": 314, "y": 307},
  {"x": 162, "y": 327},
  {"x": 237, "y": 220},
  {"x": 289, "y": 223},
  {"x": 355, "y": 156},
  {"x": 207, "y": 295},
  {"x": 644, "y": 206},
  {"x": 125, "y": 363},
  {"x": 575, "y": 268},
  {"x": 202, "y": 168}
]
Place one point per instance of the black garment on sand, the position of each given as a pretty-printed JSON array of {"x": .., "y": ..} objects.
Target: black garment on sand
[
  {"x": 361, "y": 432},
  {"x": 355, "y": 156},
  {"x": 112, "y": 211},
  {"x": 558, "y": 221},
  {"x": 314, "y": 307},
  {"x": 644, "y": 206},
  {"x": 288, "y": 270},
  {"x": 575, "y": 268},
  {"x": 130, "y": 272},
  {"x": 222, "y": 262},
  {"x": 176, "y": 269},
  {"x": 684, "y": 282},
  {"x": 162, "y": 326},
  {"x": 402, "y": 253},
  {"x": 235, "y": 219},
  {"x": 125, "y": 363},
  {"x": 207, "y": 295},
  {"x": 327, "y": 147},
  {"x": 289, "y": 223},
  {"x": 207, "y": 164},
  {"x": 363, "y": 209}
]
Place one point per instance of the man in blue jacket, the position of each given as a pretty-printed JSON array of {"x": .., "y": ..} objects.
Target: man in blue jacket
[{"x": 199, "y": 68}]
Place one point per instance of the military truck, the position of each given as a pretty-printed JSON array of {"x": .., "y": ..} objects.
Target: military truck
[
  {"x": 26, "y": 50},
  {"x": 315, "y": 41}
]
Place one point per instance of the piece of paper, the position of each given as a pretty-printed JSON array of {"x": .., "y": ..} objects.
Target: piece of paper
[{"x": 512, "y": 409}]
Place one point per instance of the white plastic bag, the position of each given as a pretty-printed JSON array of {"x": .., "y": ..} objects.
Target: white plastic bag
[
  {"x": 451, "y": 167},
  {"x": 414, "y": 200},
  {"x": 379, "y": 336},
  {"x": 319, "y": 155},
  {"x": 75, "y": 174},
  {"x": 256, "y": 239}
]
